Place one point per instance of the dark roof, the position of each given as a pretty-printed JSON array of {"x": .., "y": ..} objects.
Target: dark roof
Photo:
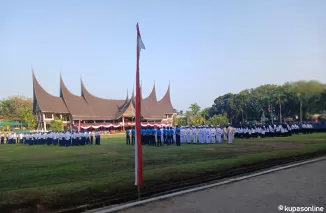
[
  {"x": 165, "y": 104},
  {"x": 128, "y": 110},
  {"x": 46, "y": 102},
  {"x": 90, "y": 107},
  {"x": 151, "y": 109},
  {"x": 103, "y": 109},
  {"x": 77, "y": 106}
]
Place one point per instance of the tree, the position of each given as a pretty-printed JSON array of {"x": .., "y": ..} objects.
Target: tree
[
  {"x": 6, "y": 127},
  {"x": 274, "y": 101},
  {"x": 197, "y": 120},
  {"x": 57, "y": 124},
  {"x": 307, "y": 92},
  {"x": 194, "y": 108},
  {"x": 13, "y": 107},
  {"x": 244, "y": 102},
  {"x": 218, "y": 120},
  {"x": 189, "y": 115},
  {"x": 29, "y": 118},
  {"x": 205, "y": 113}
]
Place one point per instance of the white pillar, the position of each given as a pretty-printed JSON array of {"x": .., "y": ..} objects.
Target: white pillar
[
  {"x": 123, "y": 122},
  {"x": 44, "y": 123}
]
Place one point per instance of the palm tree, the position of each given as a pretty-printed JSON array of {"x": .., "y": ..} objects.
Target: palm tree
[
  {"x": 195, "y": 108},
  {"x": 205, "y": 113},
  {"x": 188, "y": 116}
]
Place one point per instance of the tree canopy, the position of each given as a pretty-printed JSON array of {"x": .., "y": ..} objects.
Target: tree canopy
[
  {"x": 266, "y": 102},
  {"x": 57, "y": 124},
  {"x": 18, "y": 108}
]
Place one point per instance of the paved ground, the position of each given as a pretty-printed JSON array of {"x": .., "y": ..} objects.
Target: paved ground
[{"x": 299, "y": 186}]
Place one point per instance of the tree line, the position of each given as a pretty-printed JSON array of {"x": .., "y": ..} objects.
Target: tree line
[
  {"x": 18, "y": 108},
  {"x": 266, "y": 103},
  {"x": 296, "y": 101}
]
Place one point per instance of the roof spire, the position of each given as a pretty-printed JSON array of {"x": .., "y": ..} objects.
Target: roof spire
[
  {"x": 127, "y": 94},
  {"x": 133, "y": 93}
]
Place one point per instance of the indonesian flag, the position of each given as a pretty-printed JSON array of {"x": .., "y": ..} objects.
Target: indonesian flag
[
  {"x": 138, "y": 145},
  {"x": 140, "y": 43}
]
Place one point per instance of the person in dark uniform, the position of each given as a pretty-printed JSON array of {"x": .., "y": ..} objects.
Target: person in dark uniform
[
  {"x": 148, "y": 132},
  {"x": 143, "y": 134},
  {"x": 128, "y": 136},
  {"x": 2, "y": 138},
  {"x": 169, "y": 137},
  {"x": 158, "y": 136},
  {"x": 48, "y": 138},
  {"x": 133, "y": 131},
  {"x": 153, "y": 140},
  {"x": 165, "y": 135},
  {"x": 172, "y": 133},
  {"x": 87, "y": 141},
  {"x": 92, "y": 137},
  {"x": 177, "y": 135},
  {"x": 83, "y": 141},
  {"x": 32, "y": 139},
  {"x": 98, "y": 138},
  {"x": 151, "y": 136}
]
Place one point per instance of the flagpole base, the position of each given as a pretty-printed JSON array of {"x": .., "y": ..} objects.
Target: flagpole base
[{"x": 138, "y": 192}]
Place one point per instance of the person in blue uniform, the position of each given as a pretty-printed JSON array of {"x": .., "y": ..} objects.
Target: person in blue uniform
[
  {"x": 169, "y": 136},
  {"x": 177, "y": 136},
  {"x": 165, "y": 135},
  {"x": 133, "y": 131},
  {"x": 128, "y": 136},
  {"x": 153, "y": 140},
  {"x": 2, "y": 136},
  {"x": 159, "y": 134},
  {"x": 148, "y": 134},
  {"x": 173, "y": 135},
  {"x": 143, "y": 135},
  {"x": 98, "y": 138}
]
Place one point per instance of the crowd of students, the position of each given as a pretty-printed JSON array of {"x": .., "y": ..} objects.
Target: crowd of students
[
  {"x": 68, "y": 138},
  {"x": 156, "y": 136}
]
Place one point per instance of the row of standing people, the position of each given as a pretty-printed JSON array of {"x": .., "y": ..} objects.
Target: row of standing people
[
  {"x": 52, "y": 138},
  {"x": 272, "y": 130},
  {"x": 210, "y": 134},
  {"x": 170, "y": 135}
]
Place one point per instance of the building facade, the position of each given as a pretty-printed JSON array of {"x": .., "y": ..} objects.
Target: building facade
[{"x": 88, "y": 111}]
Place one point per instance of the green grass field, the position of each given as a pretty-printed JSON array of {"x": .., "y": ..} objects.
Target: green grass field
[{"x": 52, "y": 175}]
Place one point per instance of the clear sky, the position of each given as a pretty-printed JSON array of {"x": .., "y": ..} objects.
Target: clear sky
[{"x": 205, "y": 48}]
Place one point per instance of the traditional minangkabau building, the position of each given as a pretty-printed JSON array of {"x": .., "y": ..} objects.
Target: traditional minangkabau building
[{"x": 88, "y": 111}]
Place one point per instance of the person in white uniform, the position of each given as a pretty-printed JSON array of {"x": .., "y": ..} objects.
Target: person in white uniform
[
  {"x": 219, "y": 133},
  {"x": 188, "y": 135},
  {"x": 208, "y": 134},
  {"x": 230, "y": 134},
  {"x": 213, "y": 134},
  {"x": 194, "y": 134}
]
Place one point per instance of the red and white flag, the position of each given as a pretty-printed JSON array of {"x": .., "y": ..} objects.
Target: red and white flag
[
  {"x": 138, "y": 145},
  {"x": 140, "y": 44}
]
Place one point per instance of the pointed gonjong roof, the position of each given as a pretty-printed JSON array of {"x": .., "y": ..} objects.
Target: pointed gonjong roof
[
  {"x": 77, "y": 106},
  {"x": 90, "y": 107},
  {"x": 152, "y": 109},
  {"x": 46, "y": 102},
  {"x": 165, "y": 103},
  {"x": 106, "y": 109}
]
